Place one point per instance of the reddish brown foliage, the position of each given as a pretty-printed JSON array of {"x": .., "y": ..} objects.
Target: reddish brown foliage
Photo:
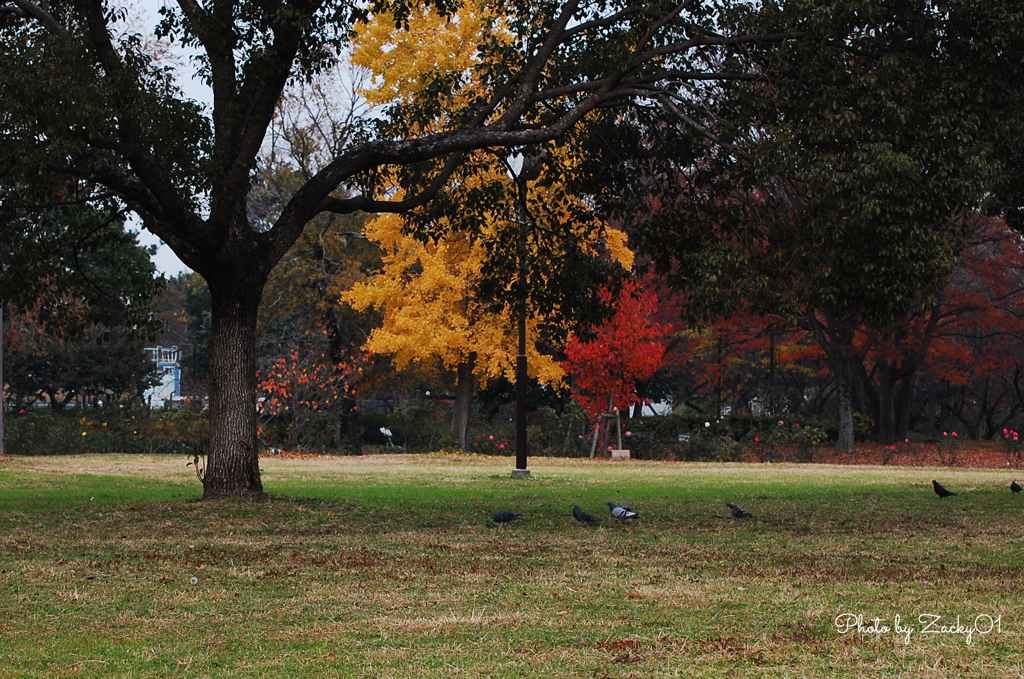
[{"x": 628, "y": 349}]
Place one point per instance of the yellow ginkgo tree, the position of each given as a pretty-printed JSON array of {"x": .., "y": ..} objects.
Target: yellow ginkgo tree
[{"x": 450, "y": 276}]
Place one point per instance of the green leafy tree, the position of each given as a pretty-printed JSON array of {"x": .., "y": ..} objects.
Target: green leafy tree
[
  {"x": 101, "y": 365},
  {"x": 985, "y": 47},
  {"x": 82, "y": 336},
  {"x": 77, "y": 263},
  {"x": 844, "y": 196}
]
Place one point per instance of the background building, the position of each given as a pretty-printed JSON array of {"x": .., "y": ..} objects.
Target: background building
[{"x": 168, "y": 390}]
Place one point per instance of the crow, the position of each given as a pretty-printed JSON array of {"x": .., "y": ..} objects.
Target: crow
[
  {"x": 623, "y": 513},
  {"x": 1015, "y": 487},
  {"x": 940, "y": 491},
  {"x": 583, "y": 517},
  {"x": 505, "y": 517},
  {"x": 739, "y": 512}
]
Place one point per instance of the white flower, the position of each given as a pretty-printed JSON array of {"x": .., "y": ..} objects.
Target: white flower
[{"x": 193, "y": 579}]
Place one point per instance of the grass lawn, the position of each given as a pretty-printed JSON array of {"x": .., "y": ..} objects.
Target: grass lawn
[{"x": 386, "y": 566}]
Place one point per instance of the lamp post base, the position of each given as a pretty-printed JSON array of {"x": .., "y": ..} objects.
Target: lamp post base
[{"x": 520, "y": 473}]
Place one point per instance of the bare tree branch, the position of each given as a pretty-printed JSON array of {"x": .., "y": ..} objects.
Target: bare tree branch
[
  {"x": 41, "y": 15},
  {"x": 700, "y": 129}
]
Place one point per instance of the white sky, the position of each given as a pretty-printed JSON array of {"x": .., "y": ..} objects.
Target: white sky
[{"x": 165, "y": 260}]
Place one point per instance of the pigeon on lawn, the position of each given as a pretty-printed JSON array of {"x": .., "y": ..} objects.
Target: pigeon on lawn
[
  {"x": 940, "y": 491},
  {"x": 739, "y": 512},
  {"x": 583, "y": 517},
  {"x": 505, "y": 517},
  {"x": 1015, "y": 487},
  {"x": 623, "y": 513}
]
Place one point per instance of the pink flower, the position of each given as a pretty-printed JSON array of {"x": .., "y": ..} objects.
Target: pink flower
[
  {"x": 797, "y": 425},
  {"x": 580, "y": 436},
  {"x": 1006, "y": 431},
  {"x": 491, "y": 437},
  {"x": 501, "y": 446},
  {"x": 629, "y": 433},
  {"x": 954, "y": 434},
  {"x": 906, "y": 440},
  {"x": 945, "y": 433},
  {"x": 609, "y": 448},
  {"x": 892, "y": 447},
  {"x": 757, "y": 439},
  {"x": 781, "y": 423}
]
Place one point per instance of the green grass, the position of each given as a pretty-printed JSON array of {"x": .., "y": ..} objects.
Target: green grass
[{"x": 386, "y": 566}]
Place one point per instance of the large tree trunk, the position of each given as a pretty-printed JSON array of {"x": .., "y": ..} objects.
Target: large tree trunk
[
  {"x": 57, "y": 403},
  {"x": 885, "y": 423},
  {"x": 835, "y": 337},
  {"x": 233, "y": 468},
  {"x": 845, "y": 442},
  {"x": 463, "y": 400},
  {"x": 906, "y": 404}
]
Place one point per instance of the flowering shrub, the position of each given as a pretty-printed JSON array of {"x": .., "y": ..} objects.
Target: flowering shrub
[
  {"x": 948, "y": 448},
  {"x": 1013, "y": 446},
  {"x": 548, "y": 433},
  {"x": 801, "y": 438},
  {"x": 893, "y": 449}
]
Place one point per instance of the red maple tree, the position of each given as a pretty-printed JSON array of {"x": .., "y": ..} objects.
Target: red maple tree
[{"x": 626, "y": 350}]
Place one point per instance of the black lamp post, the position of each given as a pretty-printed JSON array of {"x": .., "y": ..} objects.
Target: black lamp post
[
  {"x": 521, "y": 376},
  {"x": 530, "y": 169}
]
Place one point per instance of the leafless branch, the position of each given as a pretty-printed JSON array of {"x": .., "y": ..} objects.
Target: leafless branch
[
  {"x": 665, "y": 99},
  {"x": 42, "y": 15}
]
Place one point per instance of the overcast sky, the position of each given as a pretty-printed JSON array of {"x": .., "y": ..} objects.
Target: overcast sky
[{"x": 146, "y": 15}]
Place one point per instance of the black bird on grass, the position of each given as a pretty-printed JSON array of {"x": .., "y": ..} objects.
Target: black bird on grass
[
  {"x": 583, "y": 517},
  {"x": 739, "y": 512},
  {"x": 940, "y": 490},
  {"x": 1014, "y": 486},
  {"x": 505, "y": 517}
]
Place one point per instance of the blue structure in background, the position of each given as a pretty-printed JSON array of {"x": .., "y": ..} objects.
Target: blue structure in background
[{"x": 168, "y": 390}]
